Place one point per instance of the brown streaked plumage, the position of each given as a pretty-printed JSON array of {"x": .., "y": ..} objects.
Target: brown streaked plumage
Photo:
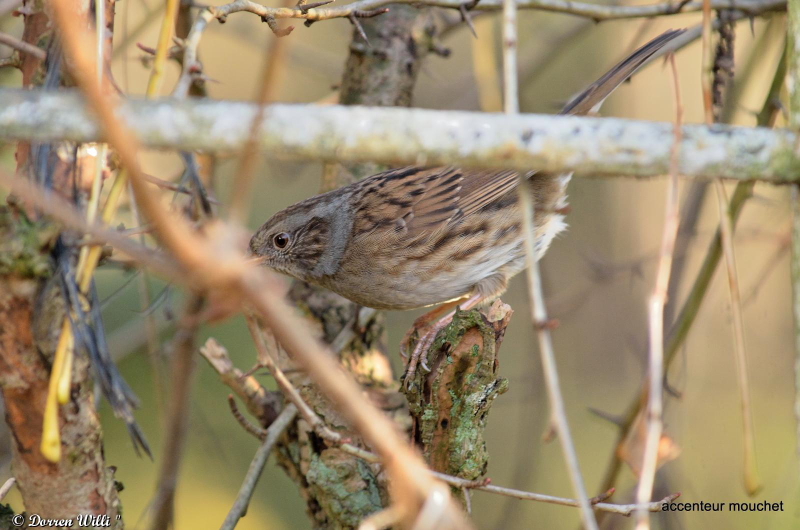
[{"x": 415, "y": 237}]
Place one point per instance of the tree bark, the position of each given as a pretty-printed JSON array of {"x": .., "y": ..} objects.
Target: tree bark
[
  {"x": 450, "y": 405},
  {"x": 31, "y": 313},
  {"x": 30, "y": 309}
]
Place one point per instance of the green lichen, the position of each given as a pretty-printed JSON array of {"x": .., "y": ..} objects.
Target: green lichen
[
  {"x": 451, "y": 408},
  {"x": 786, "y": 162},
  {"x": 347, "y": 489},
  {"x": 24, "y": 246}
]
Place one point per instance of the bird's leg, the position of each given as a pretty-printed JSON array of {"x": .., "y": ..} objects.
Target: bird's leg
[
  {"x": 431, "y": 330},
  {"x": 423, "y": 323}
]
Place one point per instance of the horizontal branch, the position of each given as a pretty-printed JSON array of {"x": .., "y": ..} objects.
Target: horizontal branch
[
  {"x": 593, "y": 146},
  {"x": 596, "y": 12}
]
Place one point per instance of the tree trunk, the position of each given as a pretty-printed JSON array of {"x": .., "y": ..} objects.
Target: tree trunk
[{"x": 31, "y": 313}]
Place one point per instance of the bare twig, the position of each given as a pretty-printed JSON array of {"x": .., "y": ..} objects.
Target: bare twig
[
  {"x": 621, "y": 509},
  {"x": 266, "y": 357},
  {"x": 260, "y": 403},
  {"x": 190, "y": 65},
  {"x": 485, "y": 67},
  {"x": 706, "y": 75},
  {"x": 795, "y": 277},
  {"x": 239, "y": 508},
  {"x": 178, "y": 418},
  {"x": 22, "y": 46},
  {"x": 258, "y": 432},
  {"x": 272, "y": 70},
  {"x": 6, "y": 487},
  {"x": 510, "y": 81},
  {"x": 535, "y": 292},
  {"x": 656, "y": 321},
  {"x": 752, "y": 482}
]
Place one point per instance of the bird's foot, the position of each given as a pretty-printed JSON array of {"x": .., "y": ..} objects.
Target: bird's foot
[{"x": 419, "y": 355}]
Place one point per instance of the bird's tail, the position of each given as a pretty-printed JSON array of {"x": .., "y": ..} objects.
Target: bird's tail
[{"x": 593, "y": 96}]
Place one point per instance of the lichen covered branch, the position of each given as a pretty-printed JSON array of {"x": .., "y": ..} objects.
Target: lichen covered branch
[{"x": 607, "y": 146}]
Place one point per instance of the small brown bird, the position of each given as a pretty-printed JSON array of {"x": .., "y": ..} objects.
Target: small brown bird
[{"x": 416, "y": 236}]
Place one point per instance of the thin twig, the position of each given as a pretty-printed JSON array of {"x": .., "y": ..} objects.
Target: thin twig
[
  {"x": 258, "y": 432},
  {"x": 177, "y": 423},
  {"x": 266, "y": 357},
  {"x": 751, "y": 480},
  {"x": 239, "y": 508},
  {"x": 190, "y": 44},
  {"x": 793, "y": 74},
  {"x": 535, "y": 293},
  {"x": 261, "y": 403},
  {"x": 6, "y": 487},
  {"x": 485, "y": 67},
  {"x": 656, "y": 321},
  {"x": 706, "y": 76},
  {"x": 691, "y": 306},
  {"x": 272, "y": 71},
  {"x": 795, "y": 278},
  {"x": 510, "y": 81},
  {"x": 22, "y": 46}
]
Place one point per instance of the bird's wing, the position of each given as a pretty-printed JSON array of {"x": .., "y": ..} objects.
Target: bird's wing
[{"x": 421, "y": 201}]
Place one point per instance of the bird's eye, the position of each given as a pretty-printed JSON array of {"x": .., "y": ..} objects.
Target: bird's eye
[{"x": 281, "y": 240}]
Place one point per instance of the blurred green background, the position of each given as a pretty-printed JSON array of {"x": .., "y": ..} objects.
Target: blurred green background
[{"x": 598, "y": 276}]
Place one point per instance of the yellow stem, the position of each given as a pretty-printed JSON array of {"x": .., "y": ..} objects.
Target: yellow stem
[{"x": 167, "y": 27}]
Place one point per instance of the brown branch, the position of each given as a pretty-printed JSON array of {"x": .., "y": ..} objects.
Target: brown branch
[
  {"x": 177, "y": 420},
  {"x": 260, "y": 402}
]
